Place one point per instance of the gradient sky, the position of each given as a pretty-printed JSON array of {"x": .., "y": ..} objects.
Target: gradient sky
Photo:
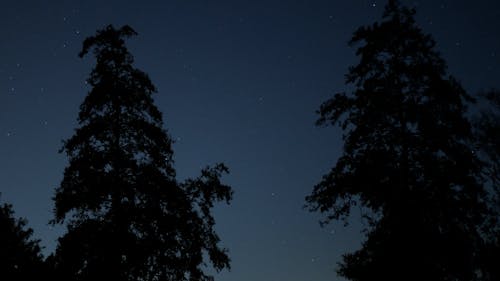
[{"x": 239, "y": 82}]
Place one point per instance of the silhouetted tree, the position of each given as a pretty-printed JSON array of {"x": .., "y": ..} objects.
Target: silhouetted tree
[
  {"x": 407, "y": 157},
  {"x": 20, "y": 257},
  {"x": 129, "y": 218}
]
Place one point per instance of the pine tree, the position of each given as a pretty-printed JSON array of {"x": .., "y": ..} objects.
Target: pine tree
[
  {"x": 407, "y": 157},
  {"x": 128, "y": 217},
  {"x": 20, "y": 254}
]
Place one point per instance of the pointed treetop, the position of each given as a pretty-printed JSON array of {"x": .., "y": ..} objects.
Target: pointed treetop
[
  {"x": 107, "y": 38},
  {"x": 394, "y": 8}
]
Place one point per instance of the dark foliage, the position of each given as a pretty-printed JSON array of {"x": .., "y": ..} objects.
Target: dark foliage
[
  {"x": 487, "y": 127},
  {"x": 487, "y": 131},
  {"x": 407, "y": 157},
  {"x": 128, "y": 217},
  {"x": 20, "y": 257}
]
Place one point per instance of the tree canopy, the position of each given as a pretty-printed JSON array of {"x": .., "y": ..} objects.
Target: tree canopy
[
  {"x": 407, "y": 157},
  {"x": 20, "y": 255},
  {"x": 127, "y": 216}
]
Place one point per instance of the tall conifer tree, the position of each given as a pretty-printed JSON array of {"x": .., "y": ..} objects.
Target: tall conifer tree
[
  {"x": 407, "y": 157},
  {"x": 128, "y": 217}
]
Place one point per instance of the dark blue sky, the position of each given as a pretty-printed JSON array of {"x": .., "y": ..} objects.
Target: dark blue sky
[{"x": 239, "y": 82}]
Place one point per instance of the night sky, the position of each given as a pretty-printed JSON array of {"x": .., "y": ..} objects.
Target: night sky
[{"x": 239, "y": 82}]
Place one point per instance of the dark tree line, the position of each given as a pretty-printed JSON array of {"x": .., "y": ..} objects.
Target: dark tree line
[{"x": 411, "y": 156}]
